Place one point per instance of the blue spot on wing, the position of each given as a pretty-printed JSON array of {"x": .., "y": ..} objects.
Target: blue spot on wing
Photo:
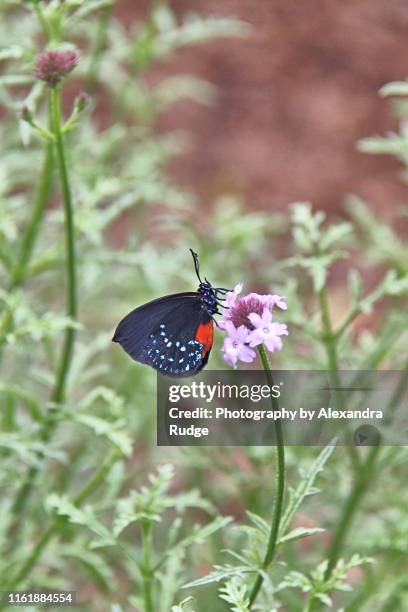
[{"x": 173, "y": 358}]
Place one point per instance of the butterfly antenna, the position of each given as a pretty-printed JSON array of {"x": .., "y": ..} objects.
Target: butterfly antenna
[{"x": 196, "y": 264}]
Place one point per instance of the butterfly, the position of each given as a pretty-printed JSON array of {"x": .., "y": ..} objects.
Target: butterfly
[{"x": 173, "y": 334}]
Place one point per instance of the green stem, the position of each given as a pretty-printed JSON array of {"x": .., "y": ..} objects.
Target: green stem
[
  {"x": 330, "y": 339},
  {"x": 349, "y": 510},
  {"x": 58, "y": 393},
  {"x": 328, "y": 335},
  {"x": 29, "y": 237},
  {"x": 147, "y": 567},
  {"x": 278, "y": 508},
  {"x": 46, "y": 30},
  {"x": 94, "y": 482},
  {"x": 349, "y": 318},
  {"x": 59, "y": 389},
  {"x": 53, "y": 529},
  {"x": 363, "y": 479}
]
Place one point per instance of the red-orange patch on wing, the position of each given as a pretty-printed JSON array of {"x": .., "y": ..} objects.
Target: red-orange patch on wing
[{"x": 205, "y": 335}]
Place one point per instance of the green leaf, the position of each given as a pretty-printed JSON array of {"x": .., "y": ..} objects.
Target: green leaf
[
  {"x": 299, "y": 533},
  {"x": 88, "y": 7},
  {"x": 333, "y": 234},
  {"x": 395, "y": 88},
  {"x": 62, "y": 506},
  {"x": 199, "y": 533},
  {"x": 305, "y": 488},
  {"x": 187, "y": 605},
  {"x": 296, "y": 580},
  {"x": 27, "y": 400},
  {"x": 324, "y": 598},
  {"x": 113, "y": 431},
  {"x": 29, "y": 450},
  {"x": 234, "y": 592},
  {"x": 94, "y": 564},
  {"x": 393, "y": 144},
  {"x": 15, "y": 80},
  {"x": 355, "y": 284},
  {"x": 219, "y": 574},
  {"x": 12, "y": 52},
  {"x": 259, "y": 522}
]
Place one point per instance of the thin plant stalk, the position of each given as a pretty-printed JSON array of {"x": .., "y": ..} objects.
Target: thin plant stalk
[
  {"x": 45, "y": 26},
  {"x": 147, "y": 567},
  {"x": 280, "y": 489},
  {"x": 31, "y": 233},
  {"x": 357, "y": 493},
  {"x": 58, "y": 394},
  {"x": 29, "y": 237},
  {"x": 346, "y": 518},
  {"x": 72, "y": 307},
  {"x": 330, "y": 339}
]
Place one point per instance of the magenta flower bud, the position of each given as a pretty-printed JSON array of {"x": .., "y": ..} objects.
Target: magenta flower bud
[
  {"x": 82, "y": 100},
  {"x": 52, "y": 66}
]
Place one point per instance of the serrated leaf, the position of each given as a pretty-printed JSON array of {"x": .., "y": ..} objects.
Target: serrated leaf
[
  {"x": 111, "y": 430},
  {"x": 334, "y": 233},
  {"x": 304, "y": 488},
  {"x": 234, "y": 592},
  {"x": 324, "y": 598},
  {"x": 259, "y": 522},
  {"x": 219, "y": 574},
  {"x": 96, "y": 566},
  {"x": 299, "y": 533},
  {"x": 61, "y": 505}
]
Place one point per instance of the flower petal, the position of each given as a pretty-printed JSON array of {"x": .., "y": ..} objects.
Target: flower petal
[
  {"x": 255, "y": 319},
  {"x": 256, "y": 337},
  {"x": 241, "y": 335},
  {"x": 230, "y": 329},
  {"x": 279, "y": 301},
  {"x": 266, "y": 317},
  {"x": 246, "y": 354},
  {"x": 273, "y": 343}
]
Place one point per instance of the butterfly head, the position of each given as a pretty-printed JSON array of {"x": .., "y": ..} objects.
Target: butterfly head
[{"x": 209, "y": 295}]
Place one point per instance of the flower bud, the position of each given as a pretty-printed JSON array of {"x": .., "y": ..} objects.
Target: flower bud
[
  {"x": 82, "y": 100},
  {"x": 26, "y": 114},
  {"x": 52, "y": 66}
]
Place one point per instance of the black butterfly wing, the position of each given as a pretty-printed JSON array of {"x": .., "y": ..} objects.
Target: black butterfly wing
[{"x": 172, "y": 334}]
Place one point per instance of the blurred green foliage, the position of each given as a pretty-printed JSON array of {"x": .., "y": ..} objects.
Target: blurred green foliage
[{"x": 133, "y": 228}]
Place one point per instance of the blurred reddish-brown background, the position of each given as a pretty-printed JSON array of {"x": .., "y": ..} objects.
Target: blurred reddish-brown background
[{"x": 294, "y": 97}]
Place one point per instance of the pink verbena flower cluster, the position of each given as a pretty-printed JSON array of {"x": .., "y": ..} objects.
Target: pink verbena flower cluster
[
  {"x": 52, "y": 66},
  {"x": 248, "y": 321}
]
